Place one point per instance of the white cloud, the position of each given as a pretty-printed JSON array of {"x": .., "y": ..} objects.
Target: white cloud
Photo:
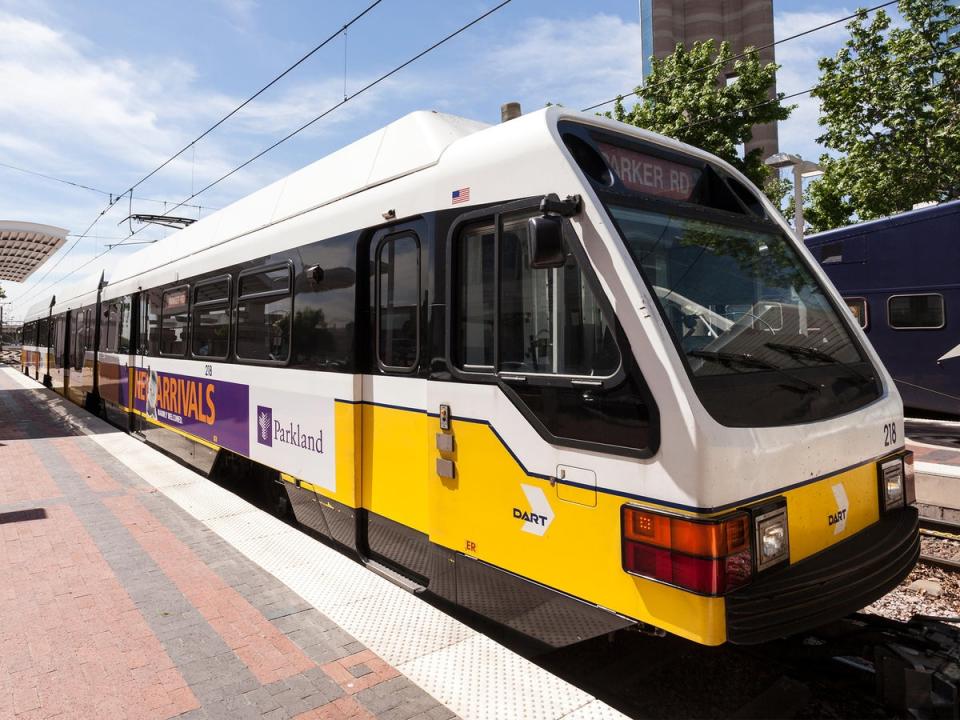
[
  {"x": 576, "y": 62},
  {"x": 240, "y": 13}
]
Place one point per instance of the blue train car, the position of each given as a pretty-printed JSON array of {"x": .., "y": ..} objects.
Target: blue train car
[{"x": 900, "y": 277}]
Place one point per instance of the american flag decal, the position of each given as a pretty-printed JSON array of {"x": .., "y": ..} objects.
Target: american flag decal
[{"x": 460, "y": 196}]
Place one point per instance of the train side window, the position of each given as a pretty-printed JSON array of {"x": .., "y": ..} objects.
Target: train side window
[
  {"x": 831, "y": 253},
  {"x": 264, "y": 306},
  {"x": 477, "y": 289},
  {"x": 211, "y": 319},
  {"x": 150, "y": 322},
  {"x": 60, "y": 341},
  {"x": 173, "y": 321},
  {"x": 916, "y": 312},
  {"x": 79, "y": 338},
  {"x": 91, "y": 328},
  {"x": 109, "y": 326},
  {"x": 548, "y": 322},
  {"x": 859, "y": 309},
  {"x": 398, "y": 293},
  {"x": 124, "y": 329}
]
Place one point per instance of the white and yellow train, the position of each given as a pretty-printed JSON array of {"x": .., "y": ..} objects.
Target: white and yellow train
[{"x": 566, "y": 373}]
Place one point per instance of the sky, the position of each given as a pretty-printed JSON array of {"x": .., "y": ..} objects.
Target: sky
[{"x": 101, "y": 93}]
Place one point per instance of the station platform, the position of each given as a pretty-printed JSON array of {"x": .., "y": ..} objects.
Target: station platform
[
  {"x": 938, "y": 479},
  {"x": 135, "y": 588}
]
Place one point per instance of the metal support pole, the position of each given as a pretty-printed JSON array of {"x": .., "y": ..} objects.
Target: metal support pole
[{"x": 798, "y": 201}]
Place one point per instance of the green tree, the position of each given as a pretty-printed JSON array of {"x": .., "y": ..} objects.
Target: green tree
[
  {"x": 688, "y": 97},
  {"x": 891, "y": 109}
]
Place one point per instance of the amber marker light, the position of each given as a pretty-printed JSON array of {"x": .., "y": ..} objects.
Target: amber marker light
[{"x": 710, "y": 557}]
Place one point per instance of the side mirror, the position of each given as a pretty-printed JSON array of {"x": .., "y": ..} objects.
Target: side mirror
[{"x": 546, "y": 242}]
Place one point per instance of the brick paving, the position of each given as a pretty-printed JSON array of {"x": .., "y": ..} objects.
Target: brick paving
[
  {"x": 114, "y": 603},
  {"x": 939, "y": 455}
]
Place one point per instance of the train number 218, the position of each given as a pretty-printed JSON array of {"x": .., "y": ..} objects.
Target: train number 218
[{"x": 889, "y": 434}]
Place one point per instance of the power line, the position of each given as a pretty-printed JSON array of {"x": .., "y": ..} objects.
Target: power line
[
  {"x": 114, "y": 199},
  {"x": 257, "y": 94},
  {"x": 339, "y": 104},
  {"x": 303, "y": 127},
  {"x": 91, "y": 189},
  {"x": 54, "y": 179},
  {"x": 640, "y": 91}
]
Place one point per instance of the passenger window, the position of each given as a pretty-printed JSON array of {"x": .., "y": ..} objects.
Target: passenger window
[
  {"x": 858, "y": 308},
  {"x": 477, "y": 267},
  {"x": 150, "y": 322},
  {"x": 109, "y": 326},
  {"x": 263, "y": 315},
  {"x": 398, "y": 292},
  {"x": 549, "y": 319},
  {"x": 916, "y": 312},
  {"x": 831, "y": 253},
  {"x": 173, "y": 322},
  {"x": 124, "y": 331},
  {"x": 325, "y": 306},
  {"x": 211, "y": 319},
  {"x": 79, "y": 338}
]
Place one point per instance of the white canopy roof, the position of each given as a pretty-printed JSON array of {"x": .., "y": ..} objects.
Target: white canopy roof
[{"x": 26, "y": 246}]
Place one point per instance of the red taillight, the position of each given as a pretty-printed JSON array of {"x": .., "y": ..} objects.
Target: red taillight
[{"x": 708, "y": 557}]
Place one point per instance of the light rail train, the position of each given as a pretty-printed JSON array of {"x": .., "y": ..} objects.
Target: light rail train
[{"x": 569, "y": 374}]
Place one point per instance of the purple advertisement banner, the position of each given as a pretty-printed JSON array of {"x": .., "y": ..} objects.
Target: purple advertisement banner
[{"x": 214, "y": 410}]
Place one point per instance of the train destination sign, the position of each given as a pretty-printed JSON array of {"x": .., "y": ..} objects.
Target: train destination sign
[{"x": 651, "y": 175}]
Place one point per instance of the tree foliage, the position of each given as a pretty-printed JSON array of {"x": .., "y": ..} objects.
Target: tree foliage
[
  {"x": 891, "y": 109},
  {"x": 688, "y": 97}
]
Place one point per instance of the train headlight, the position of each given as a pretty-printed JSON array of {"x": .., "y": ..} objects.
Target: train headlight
[
  {"x": 773, "y": 538},
  {"x": 892, "y": 483}
]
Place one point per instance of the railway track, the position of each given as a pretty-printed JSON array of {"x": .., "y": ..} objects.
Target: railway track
[{"x": 943, "y": 530}]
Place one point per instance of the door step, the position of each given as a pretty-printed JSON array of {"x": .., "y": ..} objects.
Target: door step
[{"x": 396, "y": 578}]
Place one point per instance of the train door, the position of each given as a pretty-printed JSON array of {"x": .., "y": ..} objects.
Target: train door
[
  {"x": 61, "y": 359},
  {"x": 536, "y": 368},
  {"x": 139, "y": 348},
  {"x": 394, "y": 421}
]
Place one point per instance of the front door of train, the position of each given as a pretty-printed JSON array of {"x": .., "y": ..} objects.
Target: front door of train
[{"x": 393, "y": 416}]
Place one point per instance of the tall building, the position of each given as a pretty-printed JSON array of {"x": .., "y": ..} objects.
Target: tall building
[{"x": 743, "y": 23}]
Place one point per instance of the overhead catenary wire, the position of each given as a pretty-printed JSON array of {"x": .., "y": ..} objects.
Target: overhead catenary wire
[
  {"x": 288, "y": 136},
  {"x": 115, "y": 198},
  {"x": 341, "y": 103},
  {"x": 258, "y": 93},
  {"x": 640, "y": 91},
  {"x": 82, "y": 186}
]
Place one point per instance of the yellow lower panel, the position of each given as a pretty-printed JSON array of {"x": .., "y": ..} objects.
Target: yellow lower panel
[
  {"x": 826, "y": 512},
  {"x": 579, "y": 552},
  {"x": 394, "y": 457}
]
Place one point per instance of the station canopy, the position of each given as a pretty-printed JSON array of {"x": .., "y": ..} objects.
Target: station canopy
[{"x": 26, "y": 246}]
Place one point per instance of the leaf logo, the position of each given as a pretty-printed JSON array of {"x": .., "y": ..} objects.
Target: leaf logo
[{"x": 264, "y": 424}]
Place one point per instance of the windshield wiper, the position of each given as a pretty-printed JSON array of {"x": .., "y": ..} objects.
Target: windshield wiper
[
  {"x": 813, "y": 353},
  {"x": 748, "y": 360}
]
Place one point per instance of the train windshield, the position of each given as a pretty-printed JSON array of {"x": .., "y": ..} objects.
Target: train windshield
[{"x": 763, "y": 343}]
